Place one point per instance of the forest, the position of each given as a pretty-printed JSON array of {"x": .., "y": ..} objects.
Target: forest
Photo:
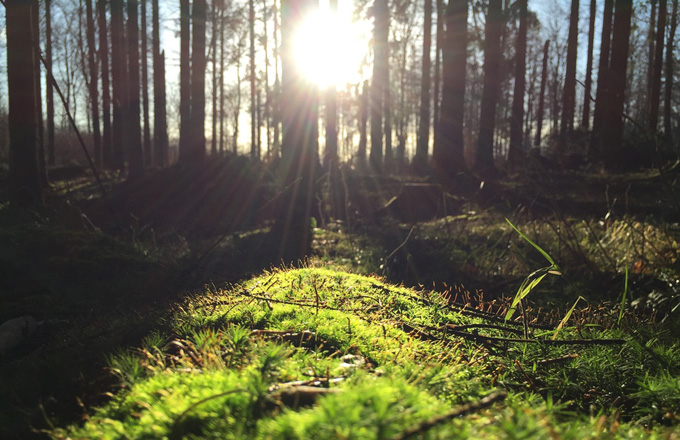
[{"x": 343, "y": 219}]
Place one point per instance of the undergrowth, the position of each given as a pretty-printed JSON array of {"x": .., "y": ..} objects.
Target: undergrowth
[{"x": 319, "y": 353}]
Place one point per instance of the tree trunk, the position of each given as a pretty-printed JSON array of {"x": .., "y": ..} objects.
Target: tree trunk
[
  {"x": 146, "y": 135},
  {"x": 107, "y": 153},
  {"x": 585, "y": 121},
  {"x": 42, "y": 167},
  {"x": 516, "y": 149},
  {"x": 94, "y": 90},
  {"x": 24, "y": 187},
  {"x": 213, "y": 50},
  {"x": 221, "y": 76},
  {"x": 300, "y": 141},
  {"x": 50, "y": 89},
  {"x": 136, "y": 163},
  {"x": 363, "y": 122},
  {"x": 380, "y": 33},
  {"x": 330, "y": 158},
  {"x": 650, "y": 51},
  {"x": 603, "y": 83},
  {"x": 420, "y": 160},
  {"x": 198, "y": 62},
  {"x": 254, "y": 150},
  {"x": 119, "y": 84},
  {"x": 668, "y": 92},
  {"x": 436, "y": 92},
  {"x": 448, "y": 151},
  {"x": 655, "y": 94},
  {"x": 614, "y": 153},
  {"x": 492, "y": 82},
  {"x": 569, "y": 91},
  {"x": 160, "y": 130},
  {"x": 541, "y": 96},
  {"x": 185, "y": 141},
  {"x": 267, "y": 92}
]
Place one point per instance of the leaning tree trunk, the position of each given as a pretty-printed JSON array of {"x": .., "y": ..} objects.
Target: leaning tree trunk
[
  {"x": 300, "y": 142},
  {"x": 541, "y": 96},
  {"x": 136, "y": 164},
  {"x": 448, "y": 149},
  {"x": 24, "y": 180},
  {"x": 655, "y": 93},
  {"x": 614, "y": 153},
  {"x": 569, "y": 91},
  {"x": 491, "y": 88},
  {"x": 585, "y": 121},
  {"x": 422, "y": 147},
  {"x": 668, "y": 92},
  {"x": 516, "y": 150}
]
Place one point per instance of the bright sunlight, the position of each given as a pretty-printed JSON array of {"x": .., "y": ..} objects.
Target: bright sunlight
[{"x": 329, "y": 48}]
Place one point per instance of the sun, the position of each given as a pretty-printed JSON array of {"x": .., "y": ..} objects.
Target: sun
[{"x": 329, "y": 48}]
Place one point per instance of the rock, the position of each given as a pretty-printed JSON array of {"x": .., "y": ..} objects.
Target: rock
[{"x": 16, "y": 331}]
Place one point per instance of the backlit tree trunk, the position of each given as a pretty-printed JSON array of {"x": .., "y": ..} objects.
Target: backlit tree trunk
[
  {"x": 378, "y": 83},
  {"x": 492, "y": 83},
  {"x": 136, "y": 160},
  {"x": 24, "y": 180},
  {"x": 185, "y": 142},
  {"x": 42, "y": 167},
  {"x": 160, "y": 127},
  {"x": 655, "y": 93},
  {"x": 668, "y": 92},
  {"x": 198, "y": 61},
  {"x": 146, "y": 133},
  {"x": 363, "y": 122},
  {"x": 94, "y": 90},
  {"x": 420, "y": 160},
  {"x": 601, "y": 106},
  {"x": 119, "y": 84},
  {"x": 585, "y": 121},
  {"x": 541, "y": 96},
  {"x": 50, "y": 90},
  {"x": 569, "y": 91},
  {"x": 516, "y": 151}
]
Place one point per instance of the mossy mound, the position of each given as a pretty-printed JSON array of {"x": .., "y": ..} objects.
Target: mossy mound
[{"x": 316, "y": 353}]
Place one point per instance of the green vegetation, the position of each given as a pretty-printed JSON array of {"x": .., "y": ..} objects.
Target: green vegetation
[{"x": 319, "y": 353}]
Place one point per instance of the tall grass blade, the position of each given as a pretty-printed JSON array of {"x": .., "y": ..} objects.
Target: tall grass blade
[
  {"x": 537, "y": 247},
  {"x": 566, "y": 317},
  {"x": 623, "y": 299}
]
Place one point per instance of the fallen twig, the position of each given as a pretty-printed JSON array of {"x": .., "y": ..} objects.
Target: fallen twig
[{"x": 423, "y": 427}]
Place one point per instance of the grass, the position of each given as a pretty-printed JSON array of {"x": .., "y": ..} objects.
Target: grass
[{"x": 240, "y": 361}]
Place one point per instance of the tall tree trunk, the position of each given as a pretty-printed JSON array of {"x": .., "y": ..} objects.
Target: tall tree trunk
[
  {"x": 651, "y": 37},
  {"x": 50, "y": 89},
  {"x": 42, "y": 167},
  {"x": 541, "y": 96},
  {"x": 94, "y": 90},
  {"x": 436, "y": 92},
  {"x": 185, "y": 141},
  {"x": 363, "y": 122},
  {"x": 136, "y": 164},
  {"x": 585, "y": 121},
  {"x": 490, "y": 93},
  {"x": 107, "y": 153},
  {"x": 420, "y": 160},
  {"x": 146, "y": 134},
  {"x": 516, "y": 149},
  {"x": 603, "y": 82},
  {"x": 668, "y": 92},
  {"x": 198, "y": 61},
  {"x": 331, "y": 154},
  {"x": 213, "y": 50},
  {"x": 569, "y": 91},
  {"x": 614, "y": 153},
  {"x": 378, "y": 83},
  {"x": 448, "y": 151},
  {"x": 276, "y": 107},
  {"x": 267, "y": 92},
  {"x": 119, "y": 84},
  {"x": 300, "y": 141},
  {"x": 655, "y": 94},
  {"x": 24, "y": 187},
  {"x": 160, "y": 130},
  {"x": 221, "y": 78},
  {"x": 237, "y": 110},
  {"x": 254, "y": 151}
]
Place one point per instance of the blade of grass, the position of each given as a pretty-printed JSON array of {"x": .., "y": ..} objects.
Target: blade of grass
[
  {"x": 623, "y": 299},
  {"x": 537, "y": 247},
  {"x": 566, "y": 317}
]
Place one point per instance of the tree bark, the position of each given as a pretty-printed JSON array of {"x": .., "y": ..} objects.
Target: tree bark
[
  {"x": 330, "y": 158},
  {"x": 614, "y": 153},
  {"x": 24, "y": 187},
  {"x": 436, "y": 92},
  {"x": 42, "y": 167},
  {"x": 103, "y": 54},
  {"x": 215, "y": 89},
  {"x": 516, "y": 150},
  {"x": 363, "y": 122},
  {"x": 668, "y": 91},
  {"x": 300, "y": 141},
  {"x": 448, "y": 150},
  {"x": 185, "y": 141},
  {"x": 655, "y": 95},
  {"x": 146, "y": 134},
  {"x": 420, "y": 160},
  {"x": 136, "y": 160},
  {"x": 603, "y": 83},
  {"x": 160, "y": 127},
  {"x": 119, "y": 84},
  {"x": 378, "y": 83},
  {"x": 651, "y": 37},
  {"x": 569, "y": 91},
  {"x": 490, "y": 93},
  {"x": 49, "y": 87},
  {"x": 94, "y": 90},
  {"x": 198, "y": 62},
  {"x": 585, "y": 121},
  {"x": 541, "y": 96},
  {"x": 254, "y": 147}
]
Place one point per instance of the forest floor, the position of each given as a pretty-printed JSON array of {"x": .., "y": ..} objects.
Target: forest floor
[{"x": 161, "y": 312}]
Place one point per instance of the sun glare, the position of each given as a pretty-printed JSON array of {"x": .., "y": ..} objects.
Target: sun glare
[{"x": 329, "y": 48}]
